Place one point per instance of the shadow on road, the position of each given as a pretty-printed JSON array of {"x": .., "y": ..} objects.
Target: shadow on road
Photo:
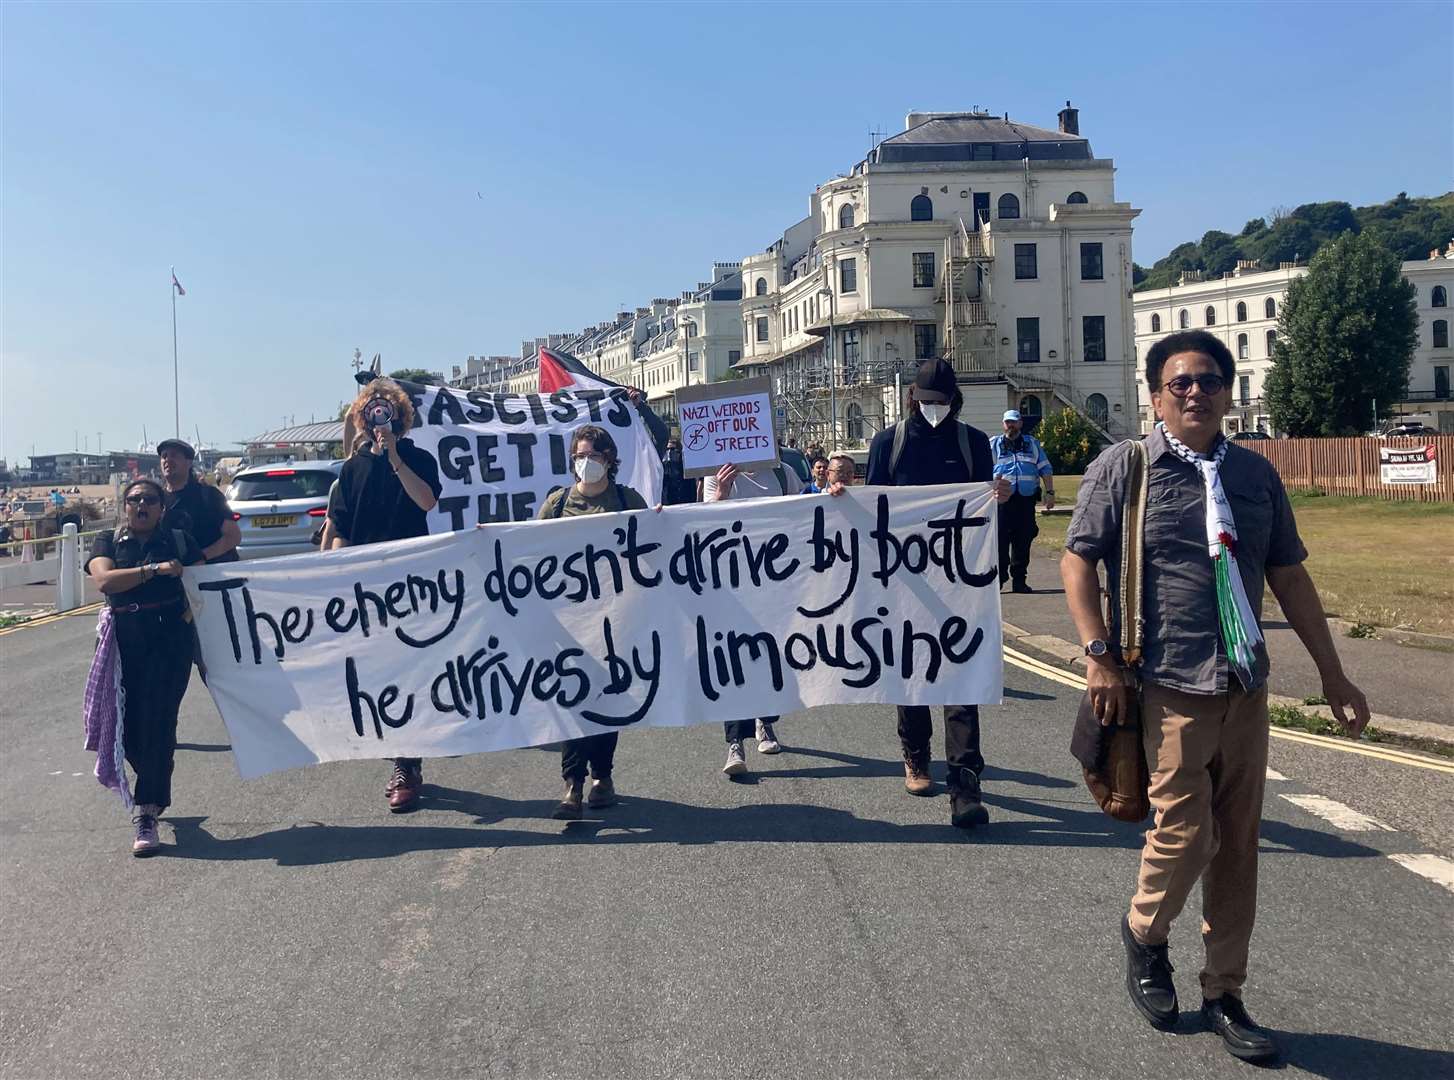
[
  {"x": 204, "y": 748},
  {"x": 1348, "y": 1057}
]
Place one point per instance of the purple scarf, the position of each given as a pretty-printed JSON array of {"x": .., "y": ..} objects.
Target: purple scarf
[{"x": 105, "y": 710}]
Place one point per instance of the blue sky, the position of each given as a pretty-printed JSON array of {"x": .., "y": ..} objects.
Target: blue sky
[{"x": 430, "y": 181}]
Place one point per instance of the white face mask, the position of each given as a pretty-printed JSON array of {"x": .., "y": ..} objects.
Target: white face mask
[
  {"x": 935, "y": 414},
  {"x": 589, "y": 472}
]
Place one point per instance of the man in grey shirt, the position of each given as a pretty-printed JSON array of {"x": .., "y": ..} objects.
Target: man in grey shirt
[{"x": 1218, "y": 524}]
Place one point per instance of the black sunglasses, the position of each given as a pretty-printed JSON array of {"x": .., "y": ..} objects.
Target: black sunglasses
[
  {"x": 142, "y": 500},
  {"x": 1182, "y": 384}
]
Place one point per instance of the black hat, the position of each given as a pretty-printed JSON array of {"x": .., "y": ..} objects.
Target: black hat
[
  {"x": 176, "y": 444},
  {"x": 937, "y": 375}
]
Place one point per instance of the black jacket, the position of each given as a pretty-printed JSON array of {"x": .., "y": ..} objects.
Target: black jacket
[{"x": 931, "y": 456}]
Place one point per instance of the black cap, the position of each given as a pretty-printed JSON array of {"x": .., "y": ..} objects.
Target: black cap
[
  {"x": 176, "y": 444},
  {"x": 937, "y": 375}
]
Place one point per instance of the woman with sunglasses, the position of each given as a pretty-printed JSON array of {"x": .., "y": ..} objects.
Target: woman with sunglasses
[{"x": 143, "y": 655}]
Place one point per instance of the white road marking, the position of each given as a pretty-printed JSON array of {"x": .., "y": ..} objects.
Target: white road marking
[
  {"x": 1273, "y": 774},
  {"x": 1437, "y": 869},
  {"x": 58, "y": 772},
  {"x": 1336, "y": 814}
]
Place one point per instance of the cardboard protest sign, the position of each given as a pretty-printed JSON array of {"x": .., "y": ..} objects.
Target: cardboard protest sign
[
  {"x": 726, "y": 423},
  {"x": 529, "y": 633}
]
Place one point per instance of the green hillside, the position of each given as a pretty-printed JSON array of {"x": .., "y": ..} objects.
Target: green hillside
[{"x": 1408, "y": 227}]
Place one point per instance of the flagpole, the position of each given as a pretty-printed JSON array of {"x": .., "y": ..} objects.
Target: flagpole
[{"x": 176, "y": 392}]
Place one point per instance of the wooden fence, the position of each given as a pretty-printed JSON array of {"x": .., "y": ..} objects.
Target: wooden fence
[{"x": 1350, "y": 466}]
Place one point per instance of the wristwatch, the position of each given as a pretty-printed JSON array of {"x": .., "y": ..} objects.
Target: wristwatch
[{"x": 1098, "y": 647}]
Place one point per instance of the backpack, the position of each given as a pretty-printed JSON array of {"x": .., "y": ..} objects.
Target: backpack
[{"x": 901, "y": 432}]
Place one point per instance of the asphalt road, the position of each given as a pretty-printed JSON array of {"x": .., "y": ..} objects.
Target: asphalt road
[{"x": 816, "y": 922}]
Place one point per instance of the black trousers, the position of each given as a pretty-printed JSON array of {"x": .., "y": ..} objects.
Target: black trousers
[
  {"x": 156, "y": 665},
  {"x": 961, "y": 736},
  {"x": 1017, "y": 531},
  {"x": 742, "y": 730},
  {"x": 597, "y": 751}
]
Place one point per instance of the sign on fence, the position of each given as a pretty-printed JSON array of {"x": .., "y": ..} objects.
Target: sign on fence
[
  {"x": 726, "y": 423},
  {"x": 527, "y": 633},
  {"x": 1408, "y": 465}
]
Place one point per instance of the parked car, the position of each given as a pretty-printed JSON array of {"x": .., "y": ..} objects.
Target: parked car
[
  {"x": 1406, "y": 428},
  {"x": 1248, "y": 436},
  {"x": 279, "y": 507}
]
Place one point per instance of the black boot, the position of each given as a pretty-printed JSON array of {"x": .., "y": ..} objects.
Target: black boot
[
  {"x": 1240, "y": 1034},
  {"x": 1148, "y": 979},
  {"x": 965, "y": 808}
]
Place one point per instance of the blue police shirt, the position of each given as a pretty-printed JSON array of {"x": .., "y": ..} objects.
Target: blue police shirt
[{"x": 1024, "y": 466}]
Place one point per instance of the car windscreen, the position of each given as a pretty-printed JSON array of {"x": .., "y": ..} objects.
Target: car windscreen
[{"x": 276, "y": 485}]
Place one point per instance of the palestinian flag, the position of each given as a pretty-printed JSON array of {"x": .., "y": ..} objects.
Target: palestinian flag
[{"x": 562, "y": 371}]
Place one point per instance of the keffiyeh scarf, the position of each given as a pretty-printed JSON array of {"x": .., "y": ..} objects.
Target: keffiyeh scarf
[
  {"x": 105, "y": 709},
  {"x": 1241, "y": 636}
]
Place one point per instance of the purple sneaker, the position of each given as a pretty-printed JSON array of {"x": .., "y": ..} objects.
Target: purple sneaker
[{"x": 147, "y": 841}]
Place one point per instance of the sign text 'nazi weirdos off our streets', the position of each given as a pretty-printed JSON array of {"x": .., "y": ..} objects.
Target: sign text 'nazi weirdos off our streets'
[
  {"x": 521, "y": 634},
  {"x": 499, "y": 454},
  {"x": 726, "y": 423}
]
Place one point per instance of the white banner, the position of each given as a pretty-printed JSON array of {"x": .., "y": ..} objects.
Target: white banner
[
  {"x": 520, "y": 634},
  {"x": 1408, "y": 464},
  {"x": 499, "y": 455}
]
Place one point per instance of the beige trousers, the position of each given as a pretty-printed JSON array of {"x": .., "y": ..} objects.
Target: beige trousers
[{"x": 1208, "y": 760}]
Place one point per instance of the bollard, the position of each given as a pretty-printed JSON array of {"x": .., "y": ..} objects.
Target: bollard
[{"x": 69, "y": 587}]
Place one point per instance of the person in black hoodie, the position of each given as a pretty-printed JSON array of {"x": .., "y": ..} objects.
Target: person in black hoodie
[{"x": 932, "y": 446}]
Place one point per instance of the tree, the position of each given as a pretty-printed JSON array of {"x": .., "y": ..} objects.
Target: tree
[
  {"x": 415, "y": 375},
  {"x": 1069, "y": 439},
  {"x": 1345, "y": 337}
]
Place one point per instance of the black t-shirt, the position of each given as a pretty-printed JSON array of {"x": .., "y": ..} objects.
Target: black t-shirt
[
  {"x": 372, "y": 504},
  {"x": 127, "y": 550},
  {"x": 201, "y": 511}
]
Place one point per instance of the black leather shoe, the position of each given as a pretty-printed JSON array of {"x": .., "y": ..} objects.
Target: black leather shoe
[
  {"x": 965, "y": 808},
  {"x": 1021, "y": 587},
  {"x": 1241, "y": 1035},
  {"x": 1148, "y": 979}
]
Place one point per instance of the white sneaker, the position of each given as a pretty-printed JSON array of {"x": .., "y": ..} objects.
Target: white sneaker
[
  {"x": 736, "y": 759},
  {"x": 766, "y": 741}
]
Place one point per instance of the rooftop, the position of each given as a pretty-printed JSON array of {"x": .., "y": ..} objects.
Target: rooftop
[{"x": 978, "y": 136}]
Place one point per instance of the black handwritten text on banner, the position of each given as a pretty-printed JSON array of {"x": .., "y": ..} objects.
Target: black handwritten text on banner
[{"x": 521, "y": 634}]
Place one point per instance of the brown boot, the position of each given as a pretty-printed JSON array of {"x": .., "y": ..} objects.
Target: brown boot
[
  {"x": 917, "y": 780},
  {"x": 570, "y": 803}
]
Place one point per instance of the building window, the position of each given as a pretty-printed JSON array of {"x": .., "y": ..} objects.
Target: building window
[
  {"x": 852, "y": 352},
  {"x": 1441, "y": 334},
  {"x": 1441, "y": 297},
  {"x": 1027, "y": 341},
  {"x": 733, "y": 355},
  {"x": 1441, "y": 382},
  {"x": 1211, "y": 315},
  {"x": 926, "y": 341},
  {"x": 1026, "y": 267},
  {"x": 1098, "y": 409},
  {"x": 1241, "y": 311},
  {"x": 1009, "y": 207},
  {"x": 921, "y": 209},
  {"x": 1091, "y": 267},
  {"x": 1244, "y": 388},
  {"x": 847, "y": 275},
  {"x": 692, "y": 361},
  {"x": 845, "y": 216},
  {"x": 1156, "y": 324},
  {"x": 1269, "y": 308},
  {"x": 1243, "y": 351},
  {"x": 1271, "y": 342},
  {"x": 855, "y": 422},
  {"x": 1184, "y": 319},
  {"x": 1077, "y": 197},
  {"x": 764, "y": 332},
  {"x": 760, "y": 288},
  {"x": 923, "y": 269},
  {"x": 1030, "y": 406},
  {"x": 1093, "y": 337}
]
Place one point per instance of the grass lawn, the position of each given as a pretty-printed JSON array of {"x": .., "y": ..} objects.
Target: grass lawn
[{"x": 1377, "y": 562}]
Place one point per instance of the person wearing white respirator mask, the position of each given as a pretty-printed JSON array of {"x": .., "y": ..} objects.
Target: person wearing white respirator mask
[
  {"x": 932, "y": 446},
  {"x": 594, "y": 461}
]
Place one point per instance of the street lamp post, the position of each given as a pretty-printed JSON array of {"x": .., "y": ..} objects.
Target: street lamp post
[{"x": 831, "y": 352}]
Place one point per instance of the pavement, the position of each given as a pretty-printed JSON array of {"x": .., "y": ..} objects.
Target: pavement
[
  {"x": 814, "y": 921},
  {"x": 1405, "y": 679}
]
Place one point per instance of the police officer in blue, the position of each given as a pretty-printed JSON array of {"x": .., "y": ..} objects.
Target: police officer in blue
[{"x": 1022, "y": 459}]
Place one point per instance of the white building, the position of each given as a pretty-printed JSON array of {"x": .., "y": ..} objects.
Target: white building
[
  {"x": 992, "y": 243},
  {"x": 1242, "y": 308}
]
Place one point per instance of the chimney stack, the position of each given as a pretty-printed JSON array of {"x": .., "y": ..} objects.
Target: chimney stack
[{"x": 1070, "y": 120}]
